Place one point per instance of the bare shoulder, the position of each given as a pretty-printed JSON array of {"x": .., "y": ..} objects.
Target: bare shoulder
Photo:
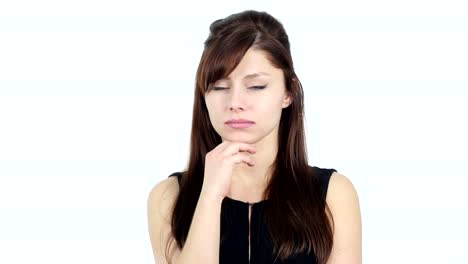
[
  {"x": 343, "y": 201},
  {"x": 160, "y": 203},
  {"x": 164, "y": 193},
  {"x": 340, "y": 187},
  {"x": 342, "y": 197}
]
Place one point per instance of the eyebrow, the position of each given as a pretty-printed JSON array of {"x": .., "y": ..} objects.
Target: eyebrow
[{"x": 249, "y": 76}]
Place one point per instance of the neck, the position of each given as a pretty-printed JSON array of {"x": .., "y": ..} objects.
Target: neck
[{"x": 252, "y": 181}]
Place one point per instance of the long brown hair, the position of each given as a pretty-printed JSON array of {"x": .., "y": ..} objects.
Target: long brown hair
[{"x": 308, "y": 224}]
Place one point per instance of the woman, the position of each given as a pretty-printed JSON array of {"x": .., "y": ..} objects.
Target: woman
[{"x": 248, "y": 194}]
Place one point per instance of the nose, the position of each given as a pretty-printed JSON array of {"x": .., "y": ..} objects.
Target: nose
[{"x": 236, "y": 102}]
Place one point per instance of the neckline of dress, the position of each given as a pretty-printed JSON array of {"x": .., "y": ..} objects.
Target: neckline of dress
[{"x": 245, "y": 203}]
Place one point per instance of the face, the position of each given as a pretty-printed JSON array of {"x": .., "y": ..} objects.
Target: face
[{"x": 254, "y": 91}]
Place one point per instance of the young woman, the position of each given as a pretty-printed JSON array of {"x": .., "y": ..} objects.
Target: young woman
[{"x": 248, "y": 194}]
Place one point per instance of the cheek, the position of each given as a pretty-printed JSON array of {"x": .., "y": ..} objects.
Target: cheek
[
  {"x": 270, "y": 106},
  {"x": 269, "y": 113},
  {"x": 211, "y": 107}
]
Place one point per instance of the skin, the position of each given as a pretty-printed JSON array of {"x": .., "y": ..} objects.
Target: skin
[
  {"x": 239, "y": 168},
  {"x": 239, "y": 99}
]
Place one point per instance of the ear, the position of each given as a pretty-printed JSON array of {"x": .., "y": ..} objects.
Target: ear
[{"x": 287, "y": 100}]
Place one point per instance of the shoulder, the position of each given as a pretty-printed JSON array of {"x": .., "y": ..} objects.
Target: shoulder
[
  {"x": 160, "y": 203},
  {"x": 163, "y": 191},
  {"x": 342, "y": 196},
  {"x": 340, "y": 187},
  {"x": 343, "y": 201},
  {"x": 161, "y": 198}
]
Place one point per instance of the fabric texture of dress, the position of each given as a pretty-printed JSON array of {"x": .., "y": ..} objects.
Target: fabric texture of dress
[{"x": 234, "y": 245}]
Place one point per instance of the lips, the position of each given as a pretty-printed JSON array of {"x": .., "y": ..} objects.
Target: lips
[{"x": 239, "y": 121}]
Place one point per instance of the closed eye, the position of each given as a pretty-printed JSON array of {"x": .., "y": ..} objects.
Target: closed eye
[
  {"x": 258, "y": 87},
  {"x": 219, "y": 88}
]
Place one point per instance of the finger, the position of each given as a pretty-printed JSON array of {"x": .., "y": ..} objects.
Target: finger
[
  {"x": 221, "y": 147},
  {"x": 239, "y": 147},
  {"x": 241, "y": 158}
]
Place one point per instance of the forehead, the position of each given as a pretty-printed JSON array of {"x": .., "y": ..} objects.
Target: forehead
[{"x": 253, "y": 65}]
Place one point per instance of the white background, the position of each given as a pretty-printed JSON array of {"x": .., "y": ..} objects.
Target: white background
[{"x": 96, "y": 104}]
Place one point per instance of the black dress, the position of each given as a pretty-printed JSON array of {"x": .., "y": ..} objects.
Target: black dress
[{"x": 234, "y": 245}]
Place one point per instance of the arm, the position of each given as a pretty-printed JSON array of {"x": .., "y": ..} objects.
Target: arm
[
  {"x": 202, "y": 244},
  {"x": 160, "y": 201},
  {"x": 343, "y": 201}
]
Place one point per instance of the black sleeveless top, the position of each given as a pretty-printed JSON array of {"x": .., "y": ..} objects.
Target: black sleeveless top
[{"x": 234, "y": 243}]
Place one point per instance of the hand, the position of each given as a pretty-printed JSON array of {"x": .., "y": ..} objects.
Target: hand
[{"x": 219, "y": 164}]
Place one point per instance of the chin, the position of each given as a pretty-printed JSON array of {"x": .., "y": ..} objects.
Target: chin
[{"x": 239, "y": 138}]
